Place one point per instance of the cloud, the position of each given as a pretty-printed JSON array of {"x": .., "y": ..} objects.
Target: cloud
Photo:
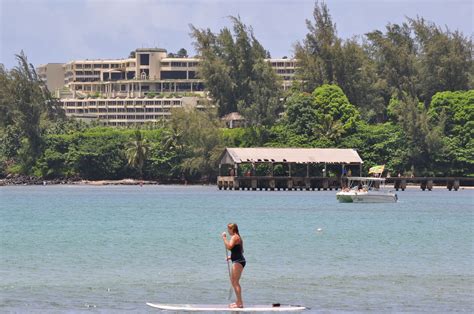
[{"x": 59, "y": 31}]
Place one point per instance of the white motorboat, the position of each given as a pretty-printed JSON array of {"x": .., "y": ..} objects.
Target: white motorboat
[{"x": 366, "y": 190}]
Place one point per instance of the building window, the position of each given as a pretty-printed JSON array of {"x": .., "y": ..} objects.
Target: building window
[
  {"x": 198, "y": 86},
  {"x": 144, "y": 59},
  {"x": 179, "y": 64},
  {"x": 116, "y": 76},
  {"x": 173, "y": 75},
  {"x": 182, "y": 87}
]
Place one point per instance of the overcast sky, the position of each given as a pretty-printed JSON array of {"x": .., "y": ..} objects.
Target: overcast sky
[{"x": 63, "y": 30}]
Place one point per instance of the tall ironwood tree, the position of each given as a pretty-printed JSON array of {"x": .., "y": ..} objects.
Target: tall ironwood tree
[{"x": 236, "y": 74}]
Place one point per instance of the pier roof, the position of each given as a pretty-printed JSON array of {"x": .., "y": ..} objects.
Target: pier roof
[{"x": 291, "y": 155}]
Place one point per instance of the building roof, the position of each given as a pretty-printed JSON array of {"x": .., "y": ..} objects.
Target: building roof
[
  {"x": 150, "y": 50},
  {"x": 232, "y": 116},
  {"x": 293, "y": 155},
  {"x": 185, "y": 59}
]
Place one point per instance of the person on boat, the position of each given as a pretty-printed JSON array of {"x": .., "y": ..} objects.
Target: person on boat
[{"x": 236, "y": 247}]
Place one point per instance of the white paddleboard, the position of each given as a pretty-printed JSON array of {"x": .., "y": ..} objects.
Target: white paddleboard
[{"x": 226, "y": 308}]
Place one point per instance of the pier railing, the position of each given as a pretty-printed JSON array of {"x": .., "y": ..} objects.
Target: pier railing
[
  {"x": 273, "y": 183},
  {"x": 277, "y": 183},
  {"x": 427, "y": 183}
]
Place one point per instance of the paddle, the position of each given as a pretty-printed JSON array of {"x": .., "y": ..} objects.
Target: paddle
[{"x": 230, "y": 272}]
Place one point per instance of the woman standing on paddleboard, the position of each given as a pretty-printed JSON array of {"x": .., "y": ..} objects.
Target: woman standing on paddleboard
[{"x": 236, "y": 247}]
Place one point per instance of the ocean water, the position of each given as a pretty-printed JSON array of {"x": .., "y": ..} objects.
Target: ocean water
[{"x": 113, "y": 248}]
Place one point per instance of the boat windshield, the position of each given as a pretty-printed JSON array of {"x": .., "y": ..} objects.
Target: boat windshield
[{"x": 366, "y": 184}]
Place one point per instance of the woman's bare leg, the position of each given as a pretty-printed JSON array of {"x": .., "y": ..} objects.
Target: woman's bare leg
[{"x": 236, "y": 273}]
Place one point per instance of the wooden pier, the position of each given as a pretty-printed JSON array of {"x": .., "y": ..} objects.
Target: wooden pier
[
  {"x": 427, "y": 183},
  {"x": 278, "y": 183},
  {"x": 286, "y": 168},
  {"x": 307, "y": 169},
  {"x": 272, "y": 183}
]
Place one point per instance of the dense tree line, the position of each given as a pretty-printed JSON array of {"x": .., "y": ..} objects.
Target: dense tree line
[
  {"x": 413, "y": 60},
  {"x": 236, "y": 74},
  {"x": 26, "y": 109},
  {"x": 402, "y": 97}
]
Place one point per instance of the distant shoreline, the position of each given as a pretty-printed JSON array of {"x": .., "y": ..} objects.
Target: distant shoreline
[
  {"x": 131, "y": 182},
  {"x": 27, "y": 181}
]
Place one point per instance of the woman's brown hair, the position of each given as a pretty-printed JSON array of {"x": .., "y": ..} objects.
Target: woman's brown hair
[{"x": 235, "y": 229}]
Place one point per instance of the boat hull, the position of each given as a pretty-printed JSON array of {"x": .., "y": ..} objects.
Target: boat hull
[{"x": 366, "y": 197}]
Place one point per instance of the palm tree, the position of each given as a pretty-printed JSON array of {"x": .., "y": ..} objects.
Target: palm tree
[
  {"x": 137, "y": 152},
  {"x": 173, "y": 139}
]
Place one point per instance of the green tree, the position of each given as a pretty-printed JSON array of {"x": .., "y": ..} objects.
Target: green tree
[
  {"x": 182, "y": 53},
  {"x": 137, "y": 152},
  {"x": 317, "y": 54},
  {"x": 29, "y": 106},
  {"x": 395, "y": 54},
  {"x": 380, "y": 144},
  {"x": 444, "y": 59},
  {"x": 324, "y": 58},
  {"x": 423, "y": 139},
  {"x": 454, "y": 111},
  {"x": 99, "y": 154},
  {"x": 199, "y": 142},
  {"x": 6, "y": 101},
  {"x": 236, "y": 74},
  {"x": 326, "y": 114}
]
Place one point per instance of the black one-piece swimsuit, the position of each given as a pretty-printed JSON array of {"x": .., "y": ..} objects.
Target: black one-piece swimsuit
[{"x": 237, "y": 256}]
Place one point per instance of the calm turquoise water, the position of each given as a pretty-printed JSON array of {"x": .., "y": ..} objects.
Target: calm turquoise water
[{"x": 110, "y": 249}]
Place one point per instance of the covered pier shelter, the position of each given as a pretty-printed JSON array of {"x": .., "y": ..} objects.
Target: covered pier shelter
[{"x": 287, "y": 168}]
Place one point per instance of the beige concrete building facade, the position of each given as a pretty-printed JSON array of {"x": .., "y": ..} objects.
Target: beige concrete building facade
[
  {"x": 52, "y": 74},
  {"x": 147, "y": 80}
]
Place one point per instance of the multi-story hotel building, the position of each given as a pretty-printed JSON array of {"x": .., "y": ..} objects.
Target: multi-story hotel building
[
  {"x": 141, "y": 88},
  {"x": 52, "y": 74}
]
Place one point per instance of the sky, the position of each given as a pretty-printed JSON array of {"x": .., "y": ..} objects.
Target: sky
[{"x": 51, "y": 31}]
